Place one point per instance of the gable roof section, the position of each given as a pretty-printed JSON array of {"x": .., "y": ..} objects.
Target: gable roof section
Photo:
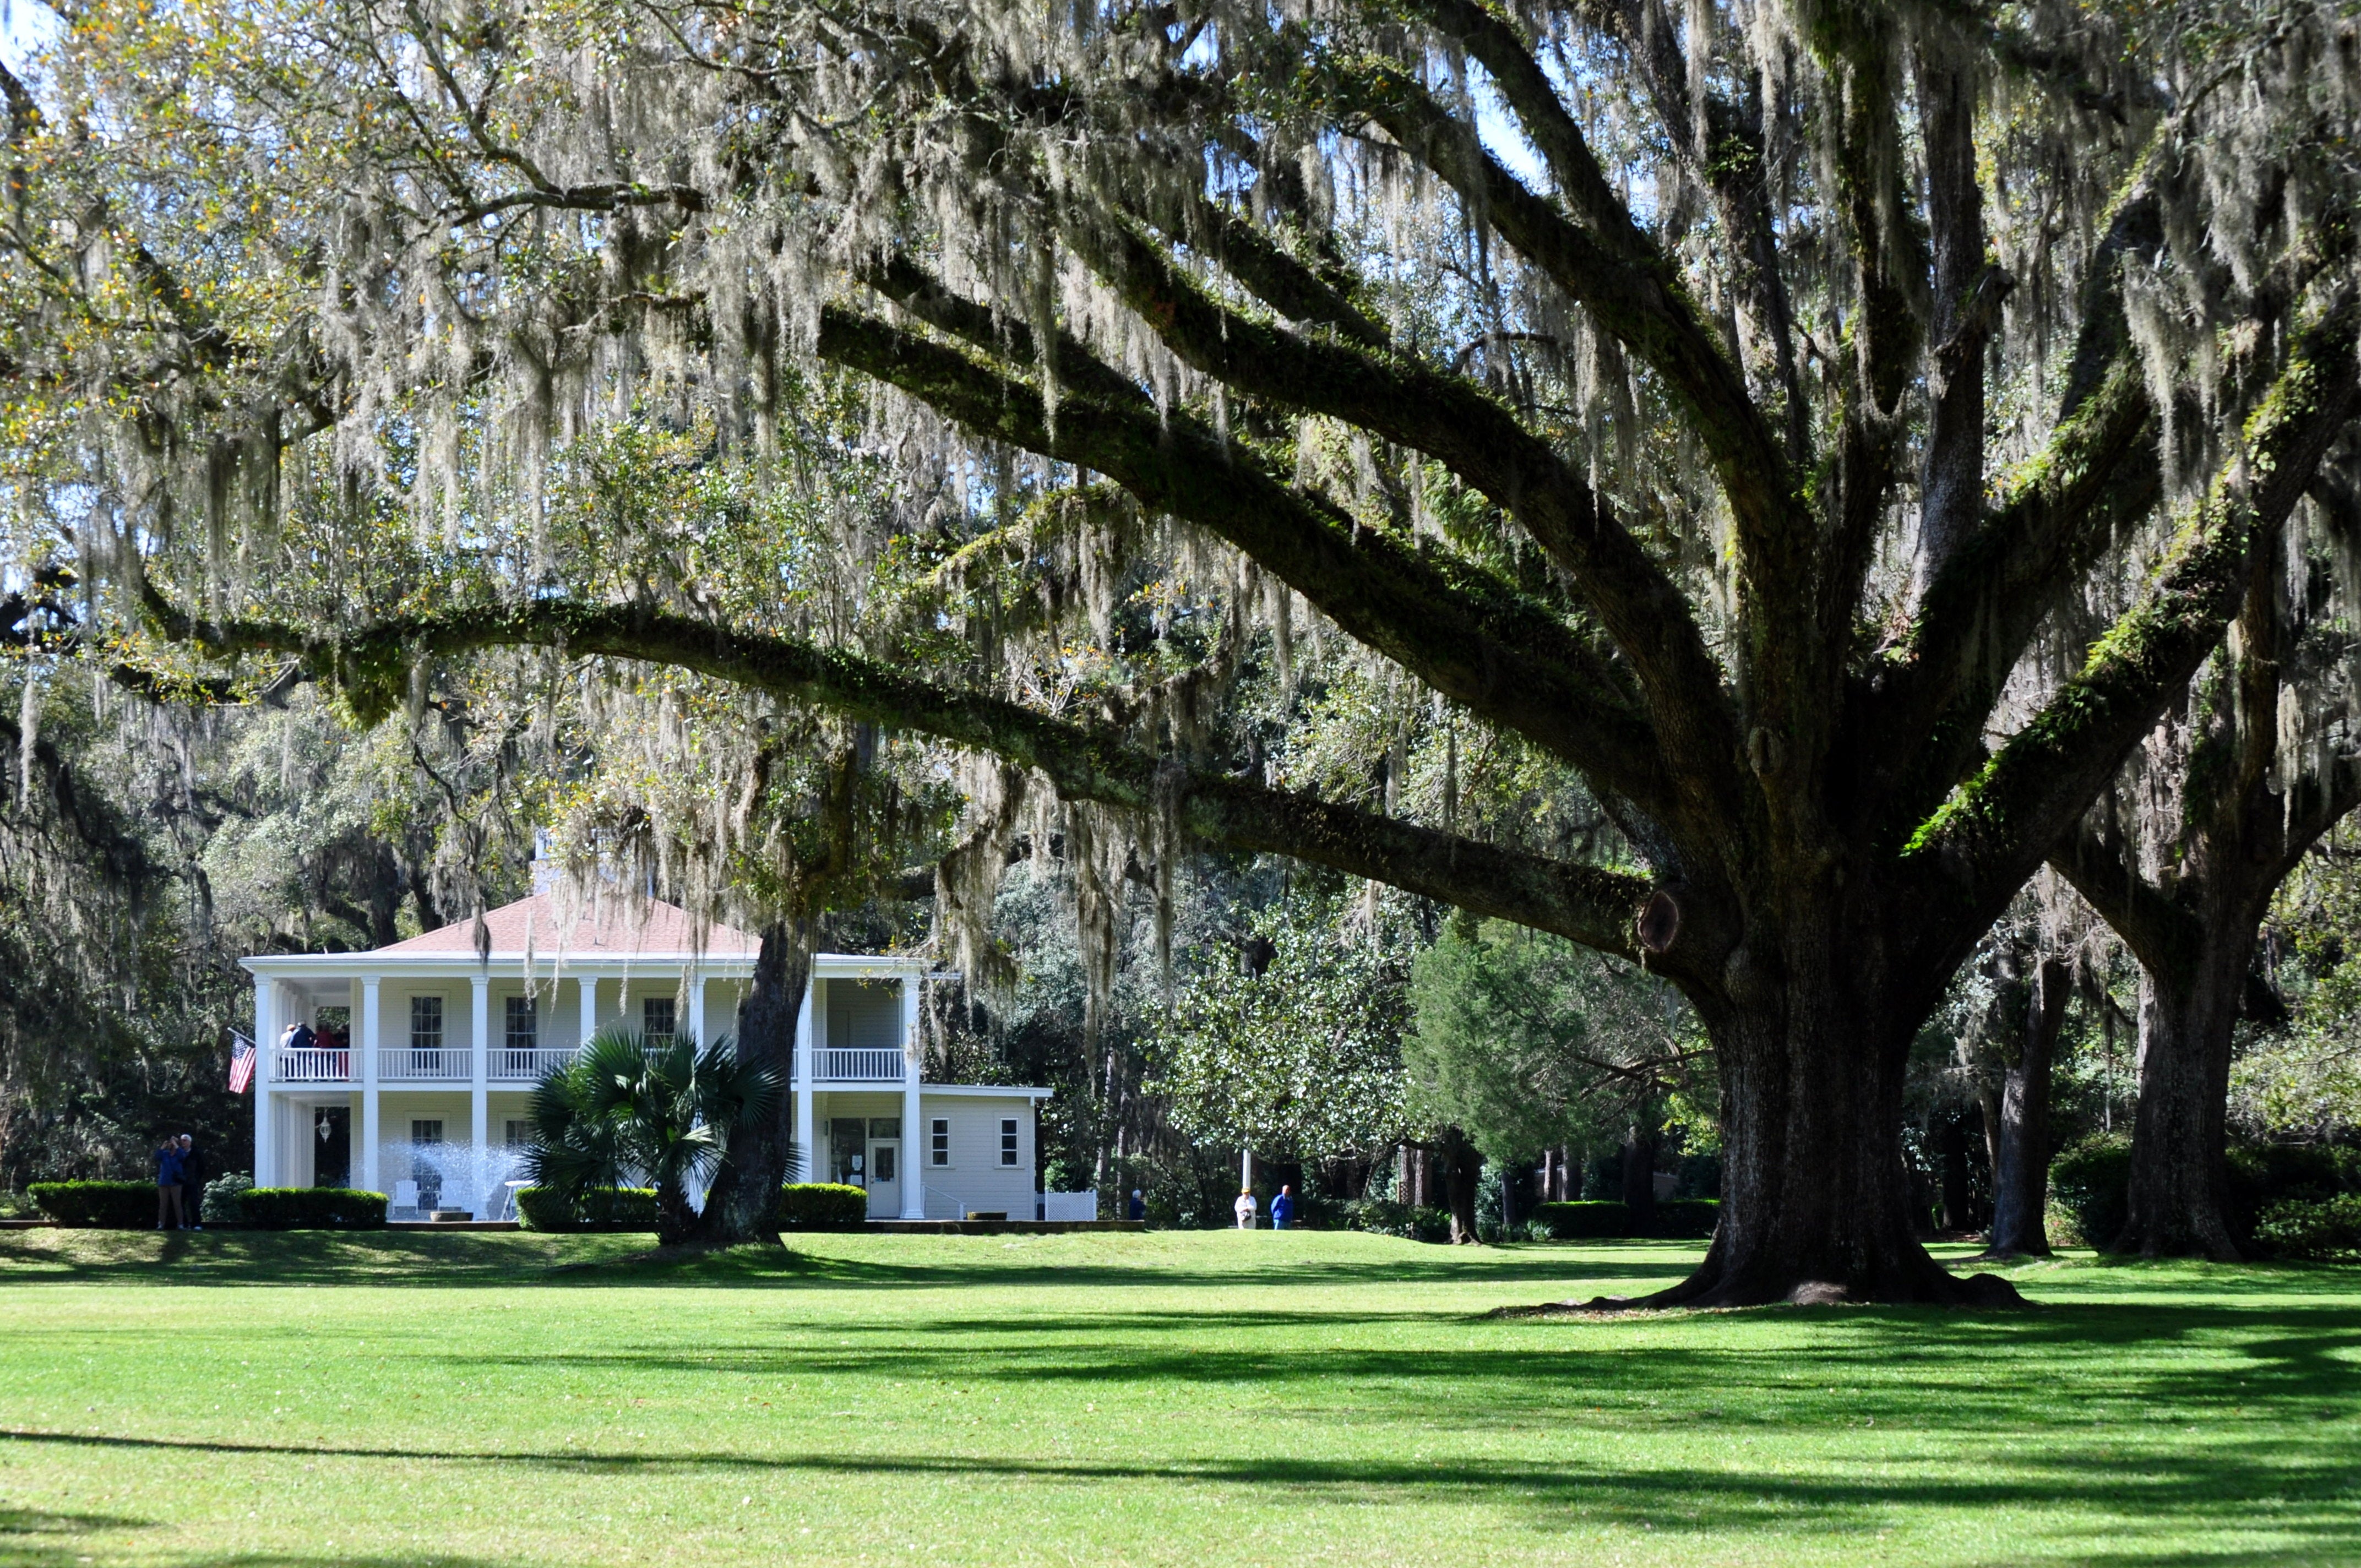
[{"x": 608, "y": 928}]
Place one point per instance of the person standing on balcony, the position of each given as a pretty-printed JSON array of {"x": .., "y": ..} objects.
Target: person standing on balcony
[
  {"x": 192, "y": 1183},
  {"x": 168, "y": 1185}
]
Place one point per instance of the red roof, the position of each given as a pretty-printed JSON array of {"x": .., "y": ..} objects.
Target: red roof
[{"x": 607, "y": 928}]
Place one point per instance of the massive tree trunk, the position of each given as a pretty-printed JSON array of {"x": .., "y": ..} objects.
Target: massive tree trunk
[
  {"x": 1461, "y": 1164},
  {"x": 2021, "y": 1175},
  {"x": 1640, "y": 1174},
  {"x": 743, "y": 1203}
]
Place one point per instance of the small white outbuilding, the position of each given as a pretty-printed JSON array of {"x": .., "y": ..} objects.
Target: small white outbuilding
[{"x": 417, "y": 1075}]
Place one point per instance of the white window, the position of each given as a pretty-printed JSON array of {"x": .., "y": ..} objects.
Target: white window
[
  {"x": 655, "y": 1020},
  {"x": 1008, "y": 1140},
  {"x": 523, "y": 1024},
  {"x": 938, "y": 1141},
  {"x": 519, "y": 1132},
  {"x": 425, "y": 1022},
  {"x": 422, "y": 1131}
]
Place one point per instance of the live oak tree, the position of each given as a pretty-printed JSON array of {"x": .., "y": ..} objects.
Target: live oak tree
[
  {"x": 1718, "y": 404},
  {"x": 2184, "y": 858}
]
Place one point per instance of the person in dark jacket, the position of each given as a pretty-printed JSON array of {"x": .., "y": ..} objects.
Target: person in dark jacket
[
  {"x": 1282, "y": 1209},
  {"x": 192, "y": 1183},
  {"x": 168, "y": 1185}
]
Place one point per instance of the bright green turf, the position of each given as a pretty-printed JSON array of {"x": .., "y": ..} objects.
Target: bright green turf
[{"x": 1169, "y": 1398}]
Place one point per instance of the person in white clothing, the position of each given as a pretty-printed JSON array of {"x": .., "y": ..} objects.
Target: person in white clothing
[{"x": 1246, "y": 1210}]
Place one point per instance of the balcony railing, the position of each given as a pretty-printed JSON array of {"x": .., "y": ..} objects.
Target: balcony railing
[
  {"x": 437, "y": 1064},
  {"x": 840, "y": 1064},
  {"x": 312, "y": 1064},
  {"x": 519, "y": 1064}
]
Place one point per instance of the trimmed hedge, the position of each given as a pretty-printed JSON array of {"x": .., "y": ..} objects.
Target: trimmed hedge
[
  {"x": 312, "y": 1209},
  {"x": 1380, "y": 1218},
  {"x": 2092, "y": 1183},
  {"x": 1675, "y": 1219},
  {"x": 225, "y": 1200},
  {"x": 601, "y": 1208},
  {"x": 101, "y": 1205},
  {"x": 822, "y": 1206},
  {"x": 2315, "y": 1228}
]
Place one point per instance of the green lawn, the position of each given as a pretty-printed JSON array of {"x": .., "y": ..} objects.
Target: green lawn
[{"x": 1168, "y": 1398}]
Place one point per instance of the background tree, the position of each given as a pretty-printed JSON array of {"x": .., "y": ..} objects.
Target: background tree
[
  {"x": 1745, "y": 501},
  {"x": 1530, "y": 1042},
  {"x": 2184, "y": 858}
]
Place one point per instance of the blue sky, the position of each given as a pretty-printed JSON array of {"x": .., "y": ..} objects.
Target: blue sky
[{"x": 23, "y": 25}]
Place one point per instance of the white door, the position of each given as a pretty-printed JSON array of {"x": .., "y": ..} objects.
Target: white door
[{"x": 884, "y": 1179}]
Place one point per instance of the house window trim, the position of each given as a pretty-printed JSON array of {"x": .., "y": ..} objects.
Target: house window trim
[
  {"x": 1011, "y": 1143},
  {"x": 938, "y": 1142},
  {"x": 531, "y": 1007},
  {"x": 441, "y": 1021},
  {"x": 651, "y": 1037}
]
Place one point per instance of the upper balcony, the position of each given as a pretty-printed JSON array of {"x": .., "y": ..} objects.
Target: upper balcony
[{"x": 514, "y": 1065}]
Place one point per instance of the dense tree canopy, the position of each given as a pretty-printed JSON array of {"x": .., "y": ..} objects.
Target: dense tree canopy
[{"x": 1718, "y": 407}]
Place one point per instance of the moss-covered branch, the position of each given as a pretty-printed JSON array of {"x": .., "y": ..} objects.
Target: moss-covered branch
[
  {"x": 1448, "y": 622},
  {"x": 371, "y": 665},
  {"x": 1454, "y": 422},
  {"x": 1998, "y": 827}
]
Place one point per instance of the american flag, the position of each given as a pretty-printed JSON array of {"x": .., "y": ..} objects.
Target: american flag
[{"x": 241, "y": 1063}]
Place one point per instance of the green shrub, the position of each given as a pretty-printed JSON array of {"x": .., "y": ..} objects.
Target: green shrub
[
  {"x": 2091, "y": 1181},
  {"x": 225, "y": 1200},
  {"x": 1380, "y": 1218},
  {"x": 1599, "y": 1219},
  {"x": 1586, "y": 1221},
  {"x": 103, "y": 1205},
  {"x": 2315, "y": 1228},
  {"x": 1686, "y": 1218},
  {"x": 312, "y": 1208},
  {"x": 601, "y": 1208},
  {"x": 822, "y": 1206}
]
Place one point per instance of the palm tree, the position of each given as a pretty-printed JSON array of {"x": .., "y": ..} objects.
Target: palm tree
[{"x": 623, "y": 1108}]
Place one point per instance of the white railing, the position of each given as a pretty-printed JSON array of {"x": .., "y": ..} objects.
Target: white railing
[
  {"x": 527, "y": 1064},
  {"x": 839, "y": 1064},
  {"x": 441, "y": 1063},
  {"x": 312, "y": 1064}
]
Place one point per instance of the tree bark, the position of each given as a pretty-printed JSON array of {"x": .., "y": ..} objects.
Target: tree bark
[
  {"x": 2021, "y": 1175},
  {"x": 1461, "y": 1164},
  {"x": 743, "y": 1203},
  {"x": 1640, "y": 1174},
  {"x": 1951, "y": 1148},
  {"x": 2180, "y": 1177}
]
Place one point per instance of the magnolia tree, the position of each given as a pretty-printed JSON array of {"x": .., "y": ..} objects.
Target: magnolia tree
[{"x": 1721, "y": 405}]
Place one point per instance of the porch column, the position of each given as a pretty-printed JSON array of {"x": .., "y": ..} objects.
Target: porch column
[
  {"x": 814, "y": 1168},
  {"x": 587, "y": 985},
  {"x": 479, "y": 1053},
  {"x": 914, "y": 1190},
  {"x": 266, "y": 1067},
  {"x": 368, "y": 1043},
  {"x": 697, "y": 1007}
]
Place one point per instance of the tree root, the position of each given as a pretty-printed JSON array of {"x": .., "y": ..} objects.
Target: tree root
[{"x": 1975, "y": 1292}]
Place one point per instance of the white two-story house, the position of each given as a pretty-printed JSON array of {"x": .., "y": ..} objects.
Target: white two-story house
[{"x": 419, "y": 1080}]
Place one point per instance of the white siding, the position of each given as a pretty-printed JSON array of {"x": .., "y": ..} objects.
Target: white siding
[
  {"x": 976, "y": 1178},
  {"x": 864, "y": 1013}
]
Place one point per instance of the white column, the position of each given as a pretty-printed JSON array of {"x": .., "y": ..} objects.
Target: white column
[
  {"x": 914, "y": 1191},
  {"x": 815, "y": 1169},
  {"x": 479, "y": 1052},
  {"x": 697, "y": 1007},
  {"x": 266, "y": 1067},
  {"x": 365, "y": 1041},
  {"x": 589, "y": 987}
]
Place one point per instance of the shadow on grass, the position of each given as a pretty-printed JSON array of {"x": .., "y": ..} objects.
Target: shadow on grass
[
  {"x": 2166, "y": 1491},
  {"x": 506, "y": 1261}
]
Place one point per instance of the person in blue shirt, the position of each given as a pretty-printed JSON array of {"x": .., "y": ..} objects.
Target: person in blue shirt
[
  {"x": 1282, "y": 1209},
  {"x": 1138, "y": 1205},
  {"x": 168, "y": 1185}
]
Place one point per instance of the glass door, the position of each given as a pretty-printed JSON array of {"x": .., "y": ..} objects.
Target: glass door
[{"x": 884, "y": 1181}]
